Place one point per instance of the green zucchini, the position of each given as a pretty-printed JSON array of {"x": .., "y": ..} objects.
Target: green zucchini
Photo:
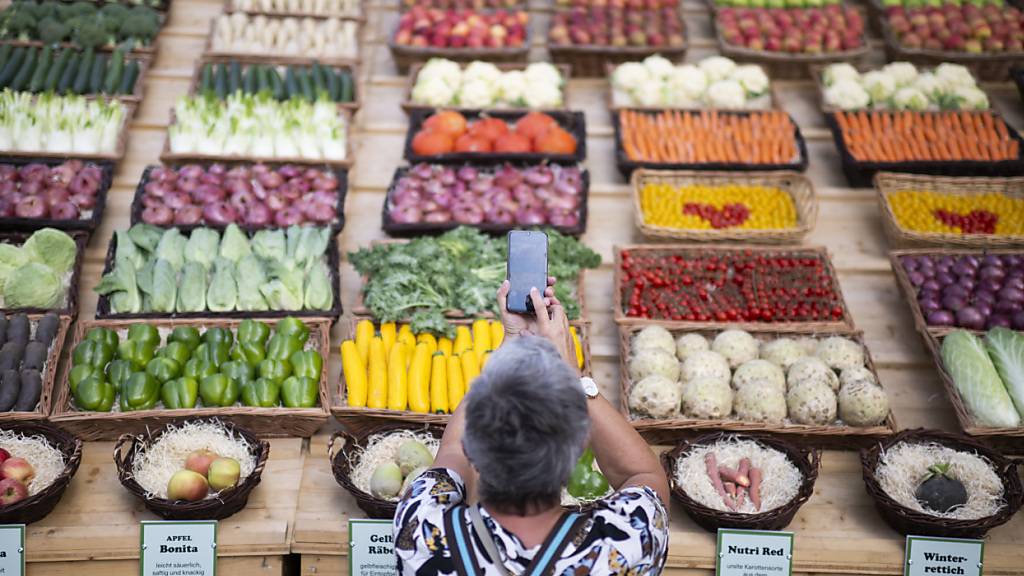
[
  {"x": 263, "y": 80},
  {"x": 131, "y": 74},
  {"x": 333, "y": 84},
  {"x": 249, "y": 79},
  {"x": 220, "y": 85},
  {"x": 99, "y": 66},
  {"x": 5, "y": 53},
  {"x": 114, "y": 72},
  {"x": 12, "y": 66},
  {"x": 35, "y": 84},
  {"x": 276, "y": 85},
  {"x": 235, "y": 77},
  {"x": 66, "y": 82},
  {"x": 21, "y": 79},
  {"x": 316, "y": 75},
  {"x": 57, "y": 70},
  {"x": 79, "y": 73},
  {"x": 206, "y": 83},
  {"x": 291, "y": 83},
  {"x": 306, "y": 82},
  {"x": 347, "y": 91}
]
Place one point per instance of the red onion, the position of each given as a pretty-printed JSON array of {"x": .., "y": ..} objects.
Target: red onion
[
  {"x": 34, "y": 172},
  {"x": 564, "y": 218},
  {"x": 242, "y": 200},
  {"x": 156, "y": 189},
  {"x": 326, "y": 181},
  {"x": 498, "y": 215},
  {"x": 257, "y": 189},
  {"x": 190, "y": 171},
  {"x": 529, "y": 217},
  {"x": 208, "y": 194},
  {"x": 422, "y": 171},
  {"x": 260, "y": 168},
  {"x": 55, "y": 195},
  {"x": 257, "y": 214},
  {"x": 213, "y": 179},
  {"x": 188, "y": 215},
  {"x": 1017, "y": 320},
  {"x": 406, "y": 215},
  {"x": 163, "y": 174},
  {"x": 187, "y": 185},
  {"x": 270, "y": 179},
  {"x": 217, "y": 169},
  {"x": 31, "y": 187},
  {"x": 30, "y": 207},
  {"x": 970, "y": 317},
  {"x": 467, "y": 213},
  {"x": 276, "y": 202},
  {"x": 9, "y": 172},
  {"x": 65, "y": 172},
  {"x": 84, "y": 201},
  {"x": 240, "y": 172},
  {"x": 220, "y": 213},
  {"x": 64, "y": 211},
  {"x": 319, "y": 212},
  {"x": 537, "y": 178},
  {"x": 157, "y": 215},
  {"x": 289, "y": 216},
  {"x": 176, "y": 199},
  {"x": 467, "y": 173},
  {"x": 148, "y": 201},
  {"x": 6, "y": 208},
  {"x": 437, "y": 216},
  {"x": 8, "y": 187},
  {"x": 940, "y": 318},
  {"x": 564, "y": 203},
  {"x": 289, "y": 171}
]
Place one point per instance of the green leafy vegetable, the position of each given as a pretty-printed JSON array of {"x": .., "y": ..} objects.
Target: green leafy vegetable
[
  {"x": 53, "y": 248},
  {"x": 976, "y": 379},
  {"x": 172, "y": 248},
  {"x": 269, "y": 244},
  {"x": 192, "y": 288},
  {"x": 235, "y": 244},
  {"x": 145, "y": 236},
  {"x": 202, "y": 247},
  {"x": 33, "y": 285},
  {"x": 122, "y": 288},
  {"x": 223, "y": 293},
  {"x": 318, "y": 288},
  {"x": 251, "y": 276},
  {"x": 1006, "y": 348},
  {"x": 165, "y": 287}
]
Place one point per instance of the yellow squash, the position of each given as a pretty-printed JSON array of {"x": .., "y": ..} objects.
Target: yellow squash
[
  {"x": 355, "y": 374},
  {"x": 377, "y": 396},
  {"x": 577, "y": 346},
  {"x": 439, "y": 384},
  {"x": 470, "y": 367},
  {"x": 419, "y": 380},
  {"x": 463, "y": 339},
  {"x": 364, "y": 333},
  {"x": 429, "y": 339},
  {"x": 497, "y": 334},
  {"x": 444, "y": 346},
  {"x": 481, "y": 336},
  {"x": 456, "y": 385},
  {"x": 398, "y": 386},
  {"x": 388, "y": 335}
]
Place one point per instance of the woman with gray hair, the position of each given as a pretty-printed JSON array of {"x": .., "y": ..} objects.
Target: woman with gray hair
[{"x": 512, "y": 443}]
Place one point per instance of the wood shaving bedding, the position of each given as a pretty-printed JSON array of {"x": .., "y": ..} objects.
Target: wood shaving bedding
[
  {"x": 781, "y": 478},
  {"x": 380, "y": 448},
  {"x": 903, "y": 467},
  {"x": 45, "y": 458},
  {"x": 154, "y": 466}
]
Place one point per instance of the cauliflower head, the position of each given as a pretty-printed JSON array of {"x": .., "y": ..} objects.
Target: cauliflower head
[
  {"x": 543, "y": 95},
  {"x": 512, "y": 87},
  {"x": 910, "y": 98},
  {"x": 717, "y": 67},
  {"x": 752, "y": 78},
  {"x": 658, "y": 66},
  {"x": 904, "y": 73},
  {"x": 543, "y": 72},
  {"x": 628, "y": 76},
  {"x": 687, "y": 81},
  {"x": 847, "y": 94},
  {"x": 952, "y": 75},
  {"x": 837, "y": 72},
  {"x": 480, "y": 70},
  {"x": 476, "y": 94},
  {"x": 448, "y": 71},
  {"x": 433, "y": 91},
  {"x": 727, "y": 94},
  {"x": 879, "y": 85}
]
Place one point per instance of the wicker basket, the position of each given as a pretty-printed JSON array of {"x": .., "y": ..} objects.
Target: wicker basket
[
  {"x": 842, "y": 437},
  {"x": 887, "y": 183},
  {"x": 987, "y": 67},
  {"x": 907, "y": 521},
  {"x": 806, "y": 461},
  {"x": 49, "y": 375},
  {"x": 227, "y": 502},
  {"x": 86, "y": 224},
  {"x": 265, "y": 422},
  {"x": 726, "y": 252},
  {"x": 35, "y": 508},
  {"x": 767, "y": 101},
  {"x": 282, "y": 59},
  {"x": 799, "y": 188},
  {"x": 343, "y": 450},
  {"x": 410, "y": 106},
  {"x": 407, "y": 56},
  {"x": 70, "y": 307},
  {"x": 349, "y": 415}
]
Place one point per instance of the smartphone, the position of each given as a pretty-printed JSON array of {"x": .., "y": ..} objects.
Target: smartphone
[{"x": 527, "y": 268}]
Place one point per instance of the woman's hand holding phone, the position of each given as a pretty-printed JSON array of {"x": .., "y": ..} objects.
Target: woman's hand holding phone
[{"x": 548, "y": 320}]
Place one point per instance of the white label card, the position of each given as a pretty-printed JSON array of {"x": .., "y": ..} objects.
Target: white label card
[
  {"x": 178, "y": 548},
  {"x": 12, "y": 549},
  {"x": 754, "y": 553},
  {"x": 371, "y": 548},
  {"x": 927, "y": 556}
]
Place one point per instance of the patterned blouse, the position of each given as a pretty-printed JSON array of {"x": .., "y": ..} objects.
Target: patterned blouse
[{"x": 626, "y": 533}]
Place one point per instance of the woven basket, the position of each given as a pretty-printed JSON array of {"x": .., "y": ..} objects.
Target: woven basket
[
  {"x": 841, "y": 437},
  {"x": 343, "y": 450},
  {"x": 265, "y": 422},
  {"x": 349, "y": 415},
  {"x": 987, "y": 67},
  {"x": 86, "y": 224},
  {"x": 410, "y": 106},
  {"x": 767, "y": 101},
  {"x": 49, "y": 375},
  {"x": 70, "y": 307},
  {"x": 888, "y": 182},
  {"x": 725, "y": 252},
  {"x": 907, "y": 521},
  {"x": 806, "y": 461},
  {"x": 35, "y": 508},
  {"x": 799, "y": 188},
  {"x": 227, "y": 502},
  {"x": 407, "y": 56}
]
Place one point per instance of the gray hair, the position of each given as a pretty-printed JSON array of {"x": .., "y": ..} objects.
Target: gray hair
[{"x": 526, "y": 424}]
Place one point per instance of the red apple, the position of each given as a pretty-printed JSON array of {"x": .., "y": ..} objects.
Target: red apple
[
  {"x": 18, "y": 469},
  {"x": 187, "y": 485},
  {"x": 12, "y": 491},
  {"x": 199, "y": 461},
  {"x": 4, "y": 455}
]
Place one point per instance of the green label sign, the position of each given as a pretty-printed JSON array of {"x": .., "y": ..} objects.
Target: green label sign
[
  {"x": 12, "y": 549},
  {"x": 178, "y": 548},
  {"x": 927, "y": 556},
  {"x": 754, "y": 553},
  {"x": 371, "y": 549}
]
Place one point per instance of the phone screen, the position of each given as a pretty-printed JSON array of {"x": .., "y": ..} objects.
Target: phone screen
[{"x": 527, "y": 267}]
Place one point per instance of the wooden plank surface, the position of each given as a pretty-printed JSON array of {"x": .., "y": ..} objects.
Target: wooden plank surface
[{"x": 838, "y": 531}]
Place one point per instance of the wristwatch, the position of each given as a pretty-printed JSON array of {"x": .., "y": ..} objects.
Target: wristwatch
[{"x": 589, "y": 387}]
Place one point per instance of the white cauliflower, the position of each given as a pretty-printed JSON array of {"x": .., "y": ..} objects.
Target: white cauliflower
[
  {"x": 904, "y": 73},
  {"x": 543, "y": 72},
  {"x": 654, "y": 338},
  {"x": 910, "y": 98},
  {"x": 543, "y": 95},
  {"x": 707, "y": 398},
  {"x": 658, "y": 66},
  {"x": 840, "y": 353},
  {"x": 480, "y": 70},
  {"x": 736, "y": 346},
  {"x": 759, "y": 404},
  {"x": 643, "y": 363},
  {"x": 880, "y": 86},
  {"x": 782, "y": 352},
  {"x": 717, "y": 67},
  {"x": 689, "y": 344},
  {"x": 967, "y": 98},
  {"x": 760, "y": 373},
  {"x": 952, "y": 75},
  {"x": 687, "y": 82},
  {"x": 706, "y": 364},
  {"x": 863, "y": 404},
  {"x": 847, "y": 94},
  {"x": 656, "y": 397},
  {"x": 856, "y": 375},
  {"x": 752, "y": 78},
  {"x": 512, "y": 87},
  {"x": 432, "y": 91},
  {"x": 650, "y": 92},
  {"x": 929, "y": 84},
  {"x": 476, "y": 94},
  {"x": 629, "y": 75},
  {"x": 813, "y": 370},
  {"x": 727, "y": 94},
  {"x": 442, "y": 68},
  {"x": 837, "y": 72},
  {"x": 811, "y": 403}
]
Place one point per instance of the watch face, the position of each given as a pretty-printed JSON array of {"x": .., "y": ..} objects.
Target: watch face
[{"x": 589, "y": 387}]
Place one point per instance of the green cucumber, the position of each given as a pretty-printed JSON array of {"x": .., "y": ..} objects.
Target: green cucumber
[
  {"x": 57, "y": 70},
  {"x": 131, "y": 74},
  {"x": 306, "y": 82},
  {"x": 66, "y": 82},
  {"x": 263, "y": 80},
  {"x": 347, "y": 92},
  {"x": 235, "y": 77},
  {"x": 276, "y": 85},
  {"x": 5, "y": 53},
  {"x": 114, "y": 72},
  {"x": 220, "y": 85},
  {"x": 249, "y": 79},
  {"x": 291, "y": 83},
  {"x": 316, "y": 75},
  {"x": 206, "y": 83},
  {"x": 12, "y": 66},
  {"x": 99, "y": 66},
  {"x": 35, "y": 84},
  {"x": 333, "y": 84},
  {"x": 21, "y": 79},
  {"x": 79, "y": 74}
]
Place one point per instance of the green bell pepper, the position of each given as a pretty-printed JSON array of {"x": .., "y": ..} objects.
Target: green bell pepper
[
  {"x": 180, "y": 393},
  {"x": 177, "y": 351},
  {"x": 307, "y": 363},
  {"x": 238, "y": 371},
  {"x": 292, "y": 326},
  {"x": 262, "y": 393},
  {"x": 282, "y": 346},
  {"x": 138, "y": 352},
  {"x": 118, "y": 371},
  {"x": 140, "y": 391},
  {"x": 253, "y": 331},
  {"x": 79, "y": 373},
  {"x": 95, "y": 394},
  {"x": 216, "y": 353},
  {"x": 92, "y": 353},
  {"x": 586, "y": 483},
  {"x": 101, "y": 334},
  {"x": 218, "y": 335},
  {"x": 218, "y": 390},
  {"x": 163, "y": 369},
  {"x": 300, "y": 392},
  {"x": 276, "y": 370},
  {"x": 187, "y": 335},
  {"x": 199, "y": 368},
  {"x": 249, "y": 352},
  {"x": 144, "y": 333}
]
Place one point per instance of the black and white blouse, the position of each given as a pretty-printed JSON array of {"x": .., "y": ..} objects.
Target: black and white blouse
[{"x": 626, "y": 533}]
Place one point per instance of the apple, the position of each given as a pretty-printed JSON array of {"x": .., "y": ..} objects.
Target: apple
[
  {"x": 199, "y": 461},
  {"x": 4, "y": 455},
  {"x": 187, "y": 485},
  {"x": 224, "y": 473},
  {"x": 12, "y": 491},
  {"x": 17, "y": 468}
]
